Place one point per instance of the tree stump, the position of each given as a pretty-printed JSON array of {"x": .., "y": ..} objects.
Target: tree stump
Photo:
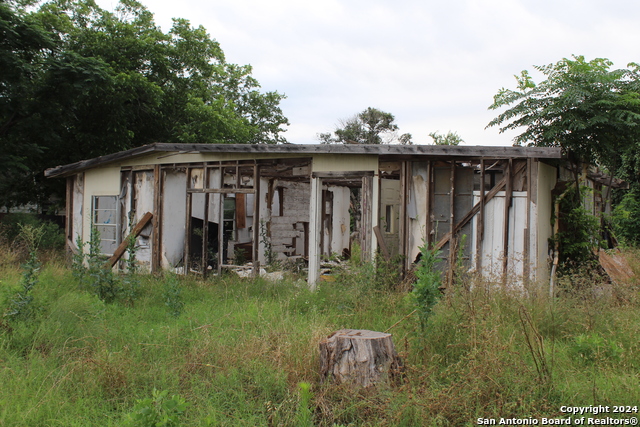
[{"x": 359, "y": 357}]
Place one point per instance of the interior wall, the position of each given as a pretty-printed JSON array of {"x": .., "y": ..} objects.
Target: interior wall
[
  {"x": 289, "y": 217},
  {"x": 389, "y": 219},
  {"x": 417, "y": 208},
  {"x": 340, "y": 230}
]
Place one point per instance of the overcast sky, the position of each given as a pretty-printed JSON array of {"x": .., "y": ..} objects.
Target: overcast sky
[{"x": 435, "y": 65}]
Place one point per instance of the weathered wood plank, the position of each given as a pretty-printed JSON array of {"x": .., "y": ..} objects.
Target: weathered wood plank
[
  {"x": 123, "y": 246},
  {"x": 383, "y": 245}
]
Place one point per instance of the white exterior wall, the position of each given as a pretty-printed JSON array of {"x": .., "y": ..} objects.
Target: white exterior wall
[
  {"x": 97, "y": 182},
  {"x": 542, "y": 222}
]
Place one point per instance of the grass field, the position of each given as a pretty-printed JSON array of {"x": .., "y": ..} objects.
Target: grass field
[{"x": 237, "y": 350}]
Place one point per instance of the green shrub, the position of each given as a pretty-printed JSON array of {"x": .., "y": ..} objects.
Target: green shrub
[
  {"x": 304, "y": 415},
  {"x": 591, "y": 348},
  {"x": 625, "y": 218},
  {"x": 52, "y": 236},
  {"x": 21, "y": 305},
  {"x": 157, "y": 411},
  {"x": 172, "y": 296},
  {"x": 426, "y": 291}
]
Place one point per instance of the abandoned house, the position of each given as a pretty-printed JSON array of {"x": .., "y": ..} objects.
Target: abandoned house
[{"x": 203, "y": 208}]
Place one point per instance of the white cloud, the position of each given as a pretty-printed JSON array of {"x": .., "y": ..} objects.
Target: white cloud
[{"x": 434, "y": 65}]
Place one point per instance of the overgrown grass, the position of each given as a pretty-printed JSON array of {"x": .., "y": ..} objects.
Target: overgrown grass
[{"x": 238, "y": 350}]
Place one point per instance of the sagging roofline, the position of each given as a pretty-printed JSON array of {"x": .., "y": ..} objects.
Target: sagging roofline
[{"x": 463, "y": 151}]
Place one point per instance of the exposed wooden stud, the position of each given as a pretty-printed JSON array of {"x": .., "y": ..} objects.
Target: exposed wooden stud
[
  {"x": 465, "y": 219},
  {"x": 68, "y": 223},
  {"x": 366, "y": 206},
  {"x": 507, "y": 207},
  {"x": 156, "y": 249},
  {"x": 452, "y": 231},
  {"x": 381, "y": 243},
  {"x": 527, "y": 231},
  {"x": 187, "y": 238},
  {"x": 256, "y": 220},
  {"x": 429, "y": 207},
  {"x": 314, "y": 228},
  {"x": 533, "y": 231},
  {"x": 480, "y": 228},
  {"x": 220, "y": 201},
  {"x": 205, "y": 222},
  {"x": 405, "y": 171}
]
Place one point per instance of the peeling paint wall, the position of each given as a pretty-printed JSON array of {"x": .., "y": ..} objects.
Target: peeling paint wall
[
  {"x": 144, "y": 194},
  {"x": 417, "y": 208},
  {"x": 97, "y": 182},
  {"x": 174, "y": 216},
  {"x": 78, "y": 206}
]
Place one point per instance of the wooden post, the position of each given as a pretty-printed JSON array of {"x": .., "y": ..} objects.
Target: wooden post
[
  {"x": 187, "y": 237},
  {"x": 156, "y": 249},
  {"x": 205, "y": 221},
  {"x": 480, "y": 228},
  {"x": 428, "y": 238},
  {"x": 256, "y": 219},
  {"x": 314, "y": 222},
  {"x": 507, "y": 207},
  {"x": 452, "y": 218},
  {"x": 381, "y": 243},
  {"x": 526, "y": 271},
  {"x": 359, "y": 358}
]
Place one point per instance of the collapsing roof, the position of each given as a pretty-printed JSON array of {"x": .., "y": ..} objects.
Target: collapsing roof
[
  {"x": 219, "y": 205},
  {"x": 304, "y": 149}
]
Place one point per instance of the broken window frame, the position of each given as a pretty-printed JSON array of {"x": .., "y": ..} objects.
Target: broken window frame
[
  {"x": 221, "y": 190},
  {"x": 109, "y": 212}
]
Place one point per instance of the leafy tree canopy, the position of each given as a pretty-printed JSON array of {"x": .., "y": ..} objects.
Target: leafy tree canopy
[
  {"x": 371, "y": 126},
  {"x": 585, "y": 107},
  {"x": 451, "y": 138},
  {"x": 78, "y": 81}
]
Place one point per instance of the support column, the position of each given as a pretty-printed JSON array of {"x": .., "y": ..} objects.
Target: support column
[{"x": 315, "y": 212}]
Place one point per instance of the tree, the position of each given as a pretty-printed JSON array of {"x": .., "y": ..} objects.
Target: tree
[
  {"x": 584, "y": 107},
  {"x": 371, "y": 126},
  {"x": 592, "y": 112},
  {"x": 451, "y": 138},
  {"x": 83, "y": 82}
]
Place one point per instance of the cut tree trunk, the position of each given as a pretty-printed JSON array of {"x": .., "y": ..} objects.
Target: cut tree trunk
[{"x": 359, "y": 357}]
